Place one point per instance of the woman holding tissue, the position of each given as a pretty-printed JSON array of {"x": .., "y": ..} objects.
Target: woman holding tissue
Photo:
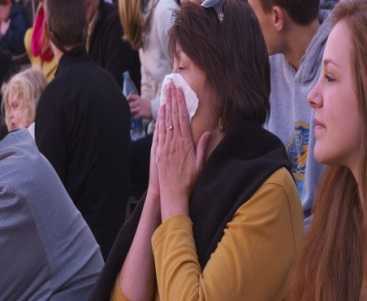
[{"x": 221, "y": 219}]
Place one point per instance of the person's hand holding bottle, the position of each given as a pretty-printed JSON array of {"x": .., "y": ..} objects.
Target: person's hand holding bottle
[{"x": 139, "y": 107}]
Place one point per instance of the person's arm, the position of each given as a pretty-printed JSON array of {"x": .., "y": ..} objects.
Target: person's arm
[
  {"x": 136, "y": 281},
  {"x": 137, "y": 276},
  {"x": 252, "y": 259},
  {"x": 164, "y": 19},
  {"x": 17, "y": 232}
]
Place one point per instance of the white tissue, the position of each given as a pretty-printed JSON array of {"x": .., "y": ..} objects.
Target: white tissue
[{"x": 192, "y": 100}]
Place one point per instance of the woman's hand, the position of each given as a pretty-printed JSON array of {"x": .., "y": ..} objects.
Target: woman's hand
[
  {"x": 139, "y": 107},
  {"x": 153, "y": 186},
  {"x": 178, "y": 161}
]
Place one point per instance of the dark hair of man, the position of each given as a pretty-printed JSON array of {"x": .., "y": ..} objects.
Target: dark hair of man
[
  {"x": 231, "y": 53},
  {"x": 66, "y": 23},
  {"x": 302, "y": 12}
]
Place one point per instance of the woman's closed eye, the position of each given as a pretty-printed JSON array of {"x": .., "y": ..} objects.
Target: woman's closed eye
[{"x": 329, "y": 78}]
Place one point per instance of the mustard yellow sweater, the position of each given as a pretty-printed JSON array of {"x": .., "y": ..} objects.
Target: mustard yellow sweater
[{"x": 252, "y": 260}]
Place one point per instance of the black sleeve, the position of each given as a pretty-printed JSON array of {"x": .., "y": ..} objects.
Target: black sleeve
[{"x": 51, "y": 129}]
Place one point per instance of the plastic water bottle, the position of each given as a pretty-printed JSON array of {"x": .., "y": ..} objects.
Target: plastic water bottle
[{"x": 129, "y": 88}]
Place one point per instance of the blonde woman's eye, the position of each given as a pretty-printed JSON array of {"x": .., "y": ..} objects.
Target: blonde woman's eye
[{"x": 329, "y": 78}]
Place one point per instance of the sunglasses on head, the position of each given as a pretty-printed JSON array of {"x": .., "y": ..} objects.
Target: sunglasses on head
[{"x": 217, "y": 5}]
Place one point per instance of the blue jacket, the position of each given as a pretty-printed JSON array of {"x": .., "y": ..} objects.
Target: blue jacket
[{"x": 47, "y": 249}]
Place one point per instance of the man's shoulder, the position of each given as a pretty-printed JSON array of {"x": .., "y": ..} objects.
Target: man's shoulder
[
  {"x": 20, "y": 160},
  {"x": 79, "y": 75},
  {"x": 28, "y": 175}
]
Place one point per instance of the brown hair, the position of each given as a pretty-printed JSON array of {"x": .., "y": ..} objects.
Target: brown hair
[
  {"x": 66, "y": 21},
  {"x": 231, "y": 53},
  {"x": 302, "y": 12},
  {"x": 331, "y": 266}
]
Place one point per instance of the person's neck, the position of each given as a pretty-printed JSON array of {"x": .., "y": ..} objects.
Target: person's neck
[
  {"x": 215, "y": 138},
  {"x": 297, "y": 42},
  {"x": 57, "y": 53}
]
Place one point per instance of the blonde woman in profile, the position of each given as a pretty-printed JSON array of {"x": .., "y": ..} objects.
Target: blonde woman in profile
[
  {"x": 20, "y": 99},
  {"x": 334, "y": 262}
]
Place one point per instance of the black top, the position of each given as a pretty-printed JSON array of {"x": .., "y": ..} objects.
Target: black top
[
  {"x": 109, "y": 50},
  {"x": 82, "y": 127},
  {"x": 236, "y": 169}
]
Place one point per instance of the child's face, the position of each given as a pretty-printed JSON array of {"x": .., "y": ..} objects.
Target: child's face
[{"x": 17, "y": 113}]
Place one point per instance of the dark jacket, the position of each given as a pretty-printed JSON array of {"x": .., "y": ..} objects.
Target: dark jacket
[
  {"x": 109, "y": 50},
  {"x": 236, "y": 169},
  {"x": 13, "y": 40},
  {"x": 82, "y": 127}
]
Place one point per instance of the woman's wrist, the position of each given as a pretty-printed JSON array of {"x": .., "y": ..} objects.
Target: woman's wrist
[
  {"x": 152, "y": 204},
  {"x": 153, "y": 195},
  {"x": 171, "y": 208}
]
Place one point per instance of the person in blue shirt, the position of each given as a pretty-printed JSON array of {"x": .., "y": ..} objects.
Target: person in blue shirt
[{"x": 47, "y": 250}]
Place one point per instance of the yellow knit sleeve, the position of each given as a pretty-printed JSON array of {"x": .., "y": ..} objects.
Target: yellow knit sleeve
[
  {"x": 253, "y": 258},
  {"x": 117, "y": 294}
]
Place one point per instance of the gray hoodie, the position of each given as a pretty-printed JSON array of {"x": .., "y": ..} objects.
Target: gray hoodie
[
  {"x": 47, "y": 249},
  {"x": 291, "y": 117}
]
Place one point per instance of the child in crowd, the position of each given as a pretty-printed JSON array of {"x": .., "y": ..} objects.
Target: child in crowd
[{"x": 21, "y": 95}]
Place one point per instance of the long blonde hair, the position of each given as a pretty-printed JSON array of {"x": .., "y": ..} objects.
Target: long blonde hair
[
  {"x": 135, "y": 23},
  {"x": 331, "y": 267},
  {"x": 131, "y": 17}
]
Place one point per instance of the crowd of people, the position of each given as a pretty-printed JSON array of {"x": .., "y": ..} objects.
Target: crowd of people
[{"x": 248, "y": 177}]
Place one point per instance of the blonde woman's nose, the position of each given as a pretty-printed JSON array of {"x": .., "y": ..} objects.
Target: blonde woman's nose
[{"x": 314, "y": 97}]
